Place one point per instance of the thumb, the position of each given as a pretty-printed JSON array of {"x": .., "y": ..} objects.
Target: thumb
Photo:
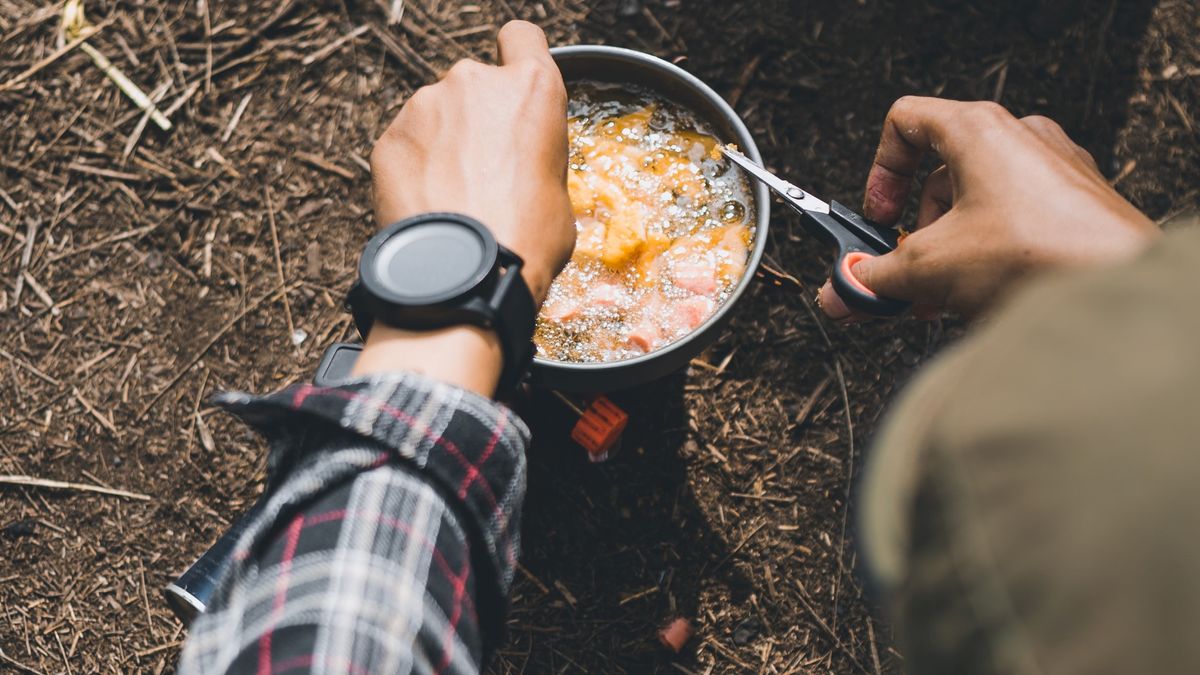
[
  {"x": 887, "y": 275},
  {"x": 520, "y": 40}
]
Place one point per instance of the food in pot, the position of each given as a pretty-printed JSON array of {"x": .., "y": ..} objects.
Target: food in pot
[{"x": 664, "y": 229}]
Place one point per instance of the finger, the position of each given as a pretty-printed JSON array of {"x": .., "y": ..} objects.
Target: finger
[
  {"x": 889, "y": 275},
  {"x": 965, "y": 135},
  {"x": 1053, "y": 135},
  {"x": 835, "y": 308},
  {"x": 915, "y": 126},
  {"x": 916, "y": 270},
  {"x": 521, "y": 40},
  {"x": 937, "y": 197}
]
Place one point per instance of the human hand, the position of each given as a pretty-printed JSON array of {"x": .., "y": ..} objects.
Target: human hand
[
  {"x": 1015, "y": 196},
  {"x": 489, "y": 142}
]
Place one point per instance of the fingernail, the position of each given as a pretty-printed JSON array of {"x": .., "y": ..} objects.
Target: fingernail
[{"x": 830, "y": 303}]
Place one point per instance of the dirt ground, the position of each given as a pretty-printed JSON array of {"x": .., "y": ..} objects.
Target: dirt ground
[{"x": 142, "y": 271}]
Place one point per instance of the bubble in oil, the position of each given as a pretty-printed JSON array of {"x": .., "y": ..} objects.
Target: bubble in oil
[
  {"x": 733, "y": 212},
  {"x": 660, "y": 121}
]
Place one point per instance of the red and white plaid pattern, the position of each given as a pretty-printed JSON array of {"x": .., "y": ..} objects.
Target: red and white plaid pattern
[{"x": 389, "y": 539}]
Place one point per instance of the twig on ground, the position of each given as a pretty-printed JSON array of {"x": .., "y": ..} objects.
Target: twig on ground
[
  {"x": 635, "y": 596},
  {"x": 729, "y": 654},
  {"x": 733, "y": 552},
  {"x": 18, "y": 665},
  {"x": 841, "y": 549},
  {"x": 287, "y": 306},
  {"x": 324, "y": 164},
  {"x": 396, "y": 13},
  {"x": 74, "y": 23},
  {"x": 803, "y": 598},
  {"x": 744, "y": 78},
  {"x": 283, "y": 10},
  {"x": 26, "y": 256},
  {"x": 237, "y": 117},
  {"x": 183, "y": 99},
  {"x": 403, "y": 53},
  {"x": 334, "y": 46},
  {"x": 156, "y": 96},
  {"x": 533, "y": 579},
  {"x": 58, "y": 54},
  {"x": 808, "y": 304},
  {"x": 104, "y": 421},
  {"x": 811, "y": 402},
  {"x": 512, "y": 14},
  {"x": 35, "y": 412},
  {"x": 31, "y": 368},
  {"x": 874, "y": 646},
  {"x": 30, "y": 481},
  {"x": 42, "y": 293},
  {"x": 161, "y": 648},
  {"x": 126, "y": 85}
]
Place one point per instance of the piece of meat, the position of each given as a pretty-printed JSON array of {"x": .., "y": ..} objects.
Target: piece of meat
[
  {"x": 608, "y": 195},
  {"x": 624, "y": 237},
  {"x": 609, "y": 156},
  {"x": 589, "y": 239},
  {"x": 651, "y": 263},
  {"x": 643, "y": 336},
  {"x": 695, "y": 271},
  {"x": 561, "y": 307},
  {"x": 732, "y": 252},
  {"x": 687, "y": 314},
  {"x": 608, "y": 295},
  {"x": 583, "y": 198},
  {"x": 644, "y": 332}
]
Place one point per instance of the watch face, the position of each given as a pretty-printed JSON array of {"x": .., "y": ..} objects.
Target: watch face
[{"x": 432, "y": 261}]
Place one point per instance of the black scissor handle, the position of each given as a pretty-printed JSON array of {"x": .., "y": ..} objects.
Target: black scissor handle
[
  {"x": 879, "y": 238},
  {"x": 856, "y": 238},
  {"x": 855, "y": 294}
]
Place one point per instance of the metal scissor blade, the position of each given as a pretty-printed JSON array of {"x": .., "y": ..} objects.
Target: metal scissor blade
[{"x": 793, "y": 195}]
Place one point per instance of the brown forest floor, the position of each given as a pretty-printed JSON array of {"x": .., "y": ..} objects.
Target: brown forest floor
[{"x": 151, "y": 282}]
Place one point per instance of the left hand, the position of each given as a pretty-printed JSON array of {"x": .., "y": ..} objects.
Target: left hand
[{"x": 489, "y": 142}]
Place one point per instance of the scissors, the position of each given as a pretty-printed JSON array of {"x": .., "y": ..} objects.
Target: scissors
[{"x": 856, "y": 237}]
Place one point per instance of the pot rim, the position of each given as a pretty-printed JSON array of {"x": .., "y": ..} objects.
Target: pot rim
[{"x": 762, "y": 203}]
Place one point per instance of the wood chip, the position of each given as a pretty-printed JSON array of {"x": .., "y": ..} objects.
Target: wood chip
[{"x": 324, "y": 164}]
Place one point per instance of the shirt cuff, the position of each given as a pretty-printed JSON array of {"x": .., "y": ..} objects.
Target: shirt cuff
[{"x": 471, "y": 448}]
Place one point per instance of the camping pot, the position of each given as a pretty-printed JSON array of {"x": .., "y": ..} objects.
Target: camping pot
[{"x": 626, "y": 66}]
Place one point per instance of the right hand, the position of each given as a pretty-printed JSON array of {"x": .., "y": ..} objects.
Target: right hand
[{"x": 1015, "y": 196}]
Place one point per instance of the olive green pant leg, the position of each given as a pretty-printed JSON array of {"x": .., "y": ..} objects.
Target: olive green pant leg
[{"x": 1032, "y": 504}]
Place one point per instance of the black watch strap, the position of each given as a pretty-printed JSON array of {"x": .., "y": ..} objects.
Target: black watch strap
[
  {"x": 516, "y": 318},
  {"x": 510, "y": 311}
]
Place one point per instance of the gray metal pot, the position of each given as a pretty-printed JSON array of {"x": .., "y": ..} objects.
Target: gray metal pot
[{"x": 626, "y": 66}]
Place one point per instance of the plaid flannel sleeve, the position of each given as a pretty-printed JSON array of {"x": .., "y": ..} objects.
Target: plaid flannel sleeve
[{"x": 389, "y": 538}]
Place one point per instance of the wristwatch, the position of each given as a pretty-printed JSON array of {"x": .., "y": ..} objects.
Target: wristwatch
[{"x": 446, "y": 269}]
